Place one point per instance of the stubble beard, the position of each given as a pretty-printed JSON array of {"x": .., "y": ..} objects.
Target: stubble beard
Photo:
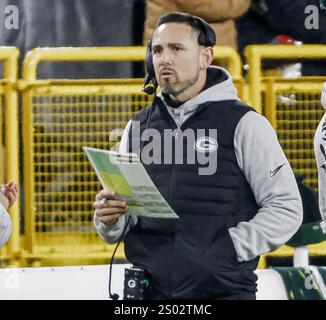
[{"x": 176, "y": 87}]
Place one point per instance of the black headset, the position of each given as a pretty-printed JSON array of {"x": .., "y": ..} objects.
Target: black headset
[{"x": 207, "y": 38}]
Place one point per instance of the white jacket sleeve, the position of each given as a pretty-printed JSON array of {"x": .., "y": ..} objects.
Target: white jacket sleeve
[
  {"x": 272, "y": 181},
  {"x": 112, "y": 233},
  {"x": 5, "y": 226},
  {"x": 320, "y": 154}
]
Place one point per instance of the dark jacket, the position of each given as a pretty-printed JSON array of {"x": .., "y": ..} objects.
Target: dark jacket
[{"x": 193, "y": 256}]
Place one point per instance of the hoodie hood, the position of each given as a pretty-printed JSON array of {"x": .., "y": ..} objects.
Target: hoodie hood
[{"x": 224, "y": 90}]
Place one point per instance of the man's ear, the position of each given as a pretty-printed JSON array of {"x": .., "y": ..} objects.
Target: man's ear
[{"x": 207, "y": 56}]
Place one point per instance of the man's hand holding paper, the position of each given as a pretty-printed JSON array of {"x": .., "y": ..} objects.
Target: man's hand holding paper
[
  {"x": 108, "y": 207},
  {"x": 126, "y": 186}
]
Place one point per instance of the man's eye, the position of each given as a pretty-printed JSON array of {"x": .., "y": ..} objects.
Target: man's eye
[{"x": 156, "y": 50}]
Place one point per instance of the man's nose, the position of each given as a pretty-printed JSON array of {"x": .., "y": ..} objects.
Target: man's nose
[{"x": 165, "y": 57}]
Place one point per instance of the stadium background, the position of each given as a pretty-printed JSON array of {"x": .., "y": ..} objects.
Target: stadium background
[{"x": 54, "y": 101}]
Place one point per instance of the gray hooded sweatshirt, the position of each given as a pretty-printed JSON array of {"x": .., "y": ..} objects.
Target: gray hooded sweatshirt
[{"x": 268, "y": 172}]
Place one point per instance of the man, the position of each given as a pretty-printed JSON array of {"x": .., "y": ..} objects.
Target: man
[
  {"x": 320, "y": 153},
  {"x": 248, "y": 204},
  {"x": 8, "y": 195}
]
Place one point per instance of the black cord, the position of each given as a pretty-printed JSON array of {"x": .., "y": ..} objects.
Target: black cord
[{"x": 115, "y": 296}]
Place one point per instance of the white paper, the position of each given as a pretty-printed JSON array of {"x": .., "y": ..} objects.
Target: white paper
[{"x": 126, "y": 175}]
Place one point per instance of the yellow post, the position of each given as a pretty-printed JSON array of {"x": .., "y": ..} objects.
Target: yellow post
[
  {"x": 10, "y": 57},
  {"x": 29, "y": 185},
  {"x": 232, "y": 57},
  {"x": 270, "y": 109},
  {"x": 254, "y": 77}
]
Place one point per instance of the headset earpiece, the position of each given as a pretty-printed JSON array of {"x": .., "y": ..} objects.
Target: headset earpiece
[
  {"x": 207, "y": 37},
  {"x": 149, "y": 60},
  {"x": 150, "y": 72}
]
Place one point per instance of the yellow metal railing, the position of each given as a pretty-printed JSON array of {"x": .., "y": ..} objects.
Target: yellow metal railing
[
  {"x": 255, "y": 54},
  {"x": 60, "y": 187},
  {"x": 10, "y": 159},
  {"x": 315, "y": 250},
  {"x": 137, "y": 53}
]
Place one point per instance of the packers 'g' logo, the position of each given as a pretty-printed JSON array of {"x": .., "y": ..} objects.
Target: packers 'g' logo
[{"x": 206, "y": 144}]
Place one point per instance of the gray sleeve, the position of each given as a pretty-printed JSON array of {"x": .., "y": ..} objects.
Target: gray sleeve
[
  {"x": 320, "y": 154},
  {"x": 5, "y": 226},
  {"x": 112, "y": 233},
  {"x": 272, "y": 181}
]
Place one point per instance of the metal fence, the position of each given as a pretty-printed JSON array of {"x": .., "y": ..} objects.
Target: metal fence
[{"x": 293, "y": 107}]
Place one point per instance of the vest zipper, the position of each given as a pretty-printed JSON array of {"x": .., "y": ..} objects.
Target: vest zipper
[{"x": 171, "y": 193}]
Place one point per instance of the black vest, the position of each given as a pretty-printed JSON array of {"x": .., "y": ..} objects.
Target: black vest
[{"x": 193, "y": 257}]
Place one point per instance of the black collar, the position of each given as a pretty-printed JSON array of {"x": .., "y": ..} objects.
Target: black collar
[{"x": 214, "y": 76}]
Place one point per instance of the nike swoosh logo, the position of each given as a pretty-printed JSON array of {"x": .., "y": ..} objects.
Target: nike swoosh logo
[{"x": 273, "y": 173}]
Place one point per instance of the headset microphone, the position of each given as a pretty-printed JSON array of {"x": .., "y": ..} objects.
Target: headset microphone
[
  {"x": 150, "y": 72},
  {"x": 149, "y": 90}
]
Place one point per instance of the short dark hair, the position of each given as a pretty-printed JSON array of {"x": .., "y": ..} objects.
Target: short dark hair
[
  {"x": 207, "y": 36},
  {"x": 180, "y": 17}
]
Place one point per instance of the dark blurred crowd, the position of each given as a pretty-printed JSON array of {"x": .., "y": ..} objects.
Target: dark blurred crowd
[{"x": 237, "y": 23}]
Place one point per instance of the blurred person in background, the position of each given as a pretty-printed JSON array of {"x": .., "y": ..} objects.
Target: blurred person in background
[
  {"x": 8, "y": 196},
  {"x": 219, "y": 14},
  {"x": 284, "y": 22}
]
